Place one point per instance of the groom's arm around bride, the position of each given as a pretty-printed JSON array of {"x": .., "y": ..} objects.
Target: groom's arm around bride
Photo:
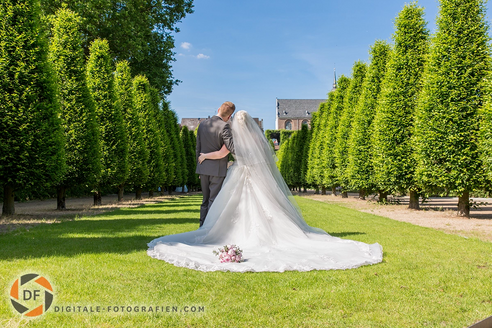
[{"x": 212, "y": 134}]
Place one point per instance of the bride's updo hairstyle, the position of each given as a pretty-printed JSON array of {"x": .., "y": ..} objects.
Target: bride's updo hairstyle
[
  {"x": 240, "y": 117},
  {"x": 251, "y": 146}
]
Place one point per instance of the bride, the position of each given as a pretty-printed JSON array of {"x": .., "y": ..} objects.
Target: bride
[{"x": 256, "y": 211}]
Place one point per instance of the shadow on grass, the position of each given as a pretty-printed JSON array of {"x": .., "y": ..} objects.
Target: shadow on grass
[
  {"x": 96, "y": 236},
  {"x": 110, "y": 232}
]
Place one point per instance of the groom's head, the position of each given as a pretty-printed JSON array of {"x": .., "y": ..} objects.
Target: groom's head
[{"x": 226, "y": 110}]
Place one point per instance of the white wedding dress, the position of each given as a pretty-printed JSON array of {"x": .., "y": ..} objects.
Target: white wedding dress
[{"x": 256, "y": 211}]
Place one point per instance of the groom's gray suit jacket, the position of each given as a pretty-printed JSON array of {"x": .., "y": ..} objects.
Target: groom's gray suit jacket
[{"x": 212, "y": 134}]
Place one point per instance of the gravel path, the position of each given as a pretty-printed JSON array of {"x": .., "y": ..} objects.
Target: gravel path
[{"x": 438, "y": 213}]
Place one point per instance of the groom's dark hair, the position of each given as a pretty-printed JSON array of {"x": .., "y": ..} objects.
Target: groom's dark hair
[{"x": 227, "y": 108}]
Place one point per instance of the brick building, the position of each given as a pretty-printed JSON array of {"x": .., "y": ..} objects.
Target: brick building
[{"x": 293, "y": 113}]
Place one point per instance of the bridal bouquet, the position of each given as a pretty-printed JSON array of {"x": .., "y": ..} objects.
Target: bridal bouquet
[{"x": 229, "y": 253}]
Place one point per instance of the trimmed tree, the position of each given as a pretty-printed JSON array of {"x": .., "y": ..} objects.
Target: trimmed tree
[
  {"x": 165, "y": 143},
  {"x": 447, "y": 124},
  {"x": 301, "y": 149},
  {"x": 114, "y": 145},
  {"x": 345, "y": 126},
  {"x": 189, "y": 149},
  {"x": 31, "y": 142},
  {"x": 394, "y": 163},
  {"x": 328, "y": 176},
  {"x": 318, "y": 122},
  {"x": 177, "y": 155},
  {"x": 77, "y": 109},
  {"x": 138, "y": 154},
  {"x": 360, "y": 169},
  {"x": 143, "y": 105}
]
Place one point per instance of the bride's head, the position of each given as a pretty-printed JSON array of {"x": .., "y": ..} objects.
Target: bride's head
[{"x": 241, "y": 116}]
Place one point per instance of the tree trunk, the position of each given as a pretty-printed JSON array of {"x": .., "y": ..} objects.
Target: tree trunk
[
  {"x": 97, "y": 198},
  {"x": 138, "y": 193},
  {"x": 170, "y": 190},
  {"x": 383, "y": 197},
  {"x": 414, "y": 200},
  {"x": 304, "y": 189},
  {"x": 344, "y": 194},
  {"x": 362, "y": 194},
  {"x": 183, "y": 190},
  {"x": 60, "y": 198},
  {"x": 121, "y": 190},
  {"x": 316, "y": 190},
  {"x": 323, "y": 191},
  {"x": 8, "y": 201},
  {"x": 333, "y": 190},
  {"x": 151, "y": 193},
  {"x": 464, "y": 204}
]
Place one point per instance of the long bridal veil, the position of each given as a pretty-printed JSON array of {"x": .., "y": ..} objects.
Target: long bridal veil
[{"x": 256, "y": 210}]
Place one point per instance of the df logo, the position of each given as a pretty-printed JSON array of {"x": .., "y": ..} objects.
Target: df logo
[{"x": 31, "y": 295}]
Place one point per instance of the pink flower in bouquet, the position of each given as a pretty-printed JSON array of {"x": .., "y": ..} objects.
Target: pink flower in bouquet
[{"x": 229, "y": 253}]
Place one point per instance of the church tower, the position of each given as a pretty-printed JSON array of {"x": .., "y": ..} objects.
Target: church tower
[{"x": 334, "y": 80}]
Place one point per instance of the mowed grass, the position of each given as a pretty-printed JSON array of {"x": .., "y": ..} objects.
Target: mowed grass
[{"x": 427, "y": 278}]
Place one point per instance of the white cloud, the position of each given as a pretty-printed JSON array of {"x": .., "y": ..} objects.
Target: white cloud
[
  {"x": 202, "y": 56},
  {"x": 186, "y": 45}
]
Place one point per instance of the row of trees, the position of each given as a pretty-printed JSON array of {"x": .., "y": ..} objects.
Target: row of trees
[
  {"x": 75, "y": 124},
  {"x": 416, "y": 120}
]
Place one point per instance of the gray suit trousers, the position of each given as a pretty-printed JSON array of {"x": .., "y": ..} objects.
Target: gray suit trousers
[{"x": 211, "y": 186}]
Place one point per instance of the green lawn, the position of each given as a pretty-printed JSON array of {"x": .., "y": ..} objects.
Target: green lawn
[{"x": 427, "y": 278}]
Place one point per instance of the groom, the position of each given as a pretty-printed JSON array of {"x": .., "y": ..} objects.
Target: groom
[{"x": 212, "y": 134}]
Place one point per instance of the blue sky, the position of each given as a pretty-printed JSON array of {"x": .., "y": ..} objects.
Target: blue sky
[{"x": 250, "y": 52}]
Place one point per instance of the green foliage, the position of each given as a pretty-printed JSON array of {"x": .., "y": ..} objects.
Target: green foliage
[
  {"x": 82, "y": 149},
  {"x": 394, "y": 164},
  {"x": 293, "y": 158},
  {"x": 284, "y": 161},
  {"x": 284, "y": 135},
  {"x": 192, "y": 135},
  {"x": 114, "y": 145},
  {"x": 189, "y": 149},
  {"x": 447, "y": 123},
  {"x": 138, "y": 154},
  {"x": 319, "y": 122},
  {"x": 360, "y": 169},
  {"x": 328, "y": 134},
  {"x": 345, "y": 126},
  {"x": 165, "y": 142},
  {"x": 31, "y": 142},
  {"x": 180, "y": 172},
  {"x": 142, "y": 101},
  {"x": 137, "y": 30}
]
